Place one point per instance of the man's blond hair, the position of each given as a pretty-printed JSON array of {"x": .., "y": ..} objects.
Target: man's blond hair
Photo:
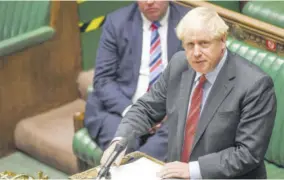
[{"x": 201, "y": 18}]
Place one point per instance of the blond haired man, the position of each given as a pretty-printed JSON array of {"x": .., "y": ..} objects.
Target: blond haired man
[{"x": 220, "y": 107}]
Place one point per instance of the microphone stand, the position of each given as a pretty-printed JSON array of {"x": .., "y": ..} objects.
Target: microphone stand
[
  {"x": 106, "y": 175},
  {"x": 104, "y": 171}
]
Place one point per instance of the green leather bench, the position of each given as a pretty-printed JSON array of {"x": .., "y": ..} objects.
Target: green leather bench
[
  {"x": 23, "y": 24},
  {"x": 271, "y": 12},
  {"x": 89, "y": 152}
]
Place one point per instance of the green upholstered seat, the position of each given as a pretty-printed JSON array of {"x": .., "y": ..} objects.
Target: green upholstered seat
[
  {"x": 22, "y": 24},
  {"x": 272, "y": 65},
  {"x": 268, "y": 11}
]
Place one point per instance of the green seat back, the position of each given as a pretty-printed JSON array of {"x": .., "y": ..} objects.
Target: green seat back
[
  {"x": 268, "y": 11},
  {"x": 231, "y": 5},
  {"x": 19, "y": 17},
  {"x": 272, "y": 65}
]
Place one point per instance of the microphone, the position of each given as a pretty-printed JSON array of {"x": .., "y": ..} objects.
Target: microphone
[{"x": 119, "y": 147}]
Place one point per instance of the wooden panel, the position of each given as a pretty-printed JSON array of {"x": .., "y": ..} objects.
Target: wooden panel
[{"x": 40, "y": 77}]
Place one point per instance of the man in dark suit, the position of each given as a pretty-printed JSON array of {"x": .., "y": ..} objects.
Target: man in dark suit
[
  {"x": 220, "y": 107},
  {"x": 133, "y": 37}
]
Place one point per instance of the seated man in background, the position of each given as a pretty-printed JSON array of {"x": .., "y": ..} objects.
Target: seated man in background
[{"x": 136, "y": 43}]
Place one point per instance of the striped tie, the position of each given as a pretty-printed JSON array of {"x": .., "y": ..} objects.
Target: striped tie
[
  {"x": 192, "y": 119},
  {"x": 156, "y": 64}
]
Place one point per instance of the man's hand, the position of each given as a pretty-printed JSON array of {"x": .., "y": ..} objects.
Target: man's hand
[
  {"x": 109, "y": 151},
  {"x": 175, "y": 170},
  {"x": 155, "y": 128}
]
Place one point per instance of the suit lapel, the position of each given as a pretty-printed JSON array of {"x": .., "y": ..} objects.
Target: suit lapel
[
  {"x": 184, "y": 94},
  {"x": 220, "y": 90},
  {"x": 133, "y": 34}
]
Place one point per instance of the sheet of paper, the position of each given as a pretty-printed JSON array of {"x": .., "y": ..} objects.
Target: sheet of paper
[{"x": 141, "y": 169}]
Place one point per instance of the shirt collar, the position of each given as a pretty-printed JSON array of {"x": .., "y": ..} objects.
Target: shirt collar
[
  {"x": 163, "y": 21},
  {"x": 211, "y": 76}
]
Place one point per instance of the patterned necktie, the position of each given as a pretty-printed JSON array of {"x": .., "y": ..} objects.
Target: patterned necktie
[
  {"x": 156, "y": 64},
  {"x": 192, "y": 119}
]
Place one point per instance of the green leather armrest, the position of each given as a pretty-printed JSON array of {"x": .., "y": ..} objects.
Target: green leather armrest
[
  {"x": 268, "y": 11},
  {"x": 25, "y": 40},
  {"x": 86, "y": 149}
]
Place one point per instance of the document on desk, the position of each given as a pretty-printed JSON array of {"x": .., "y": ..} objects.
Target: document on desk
[{"x": 141, "y": 169}]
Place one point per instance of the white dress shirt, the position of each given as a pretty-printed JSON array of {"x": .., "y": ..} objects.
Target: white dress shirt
[{"x": 144, "y": 72}]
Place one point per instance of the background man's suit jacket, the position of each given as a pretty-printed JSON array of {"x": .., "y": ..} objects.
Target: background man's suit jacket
[
  {"x": 235, "y": 125},
  {"x": 118, "y": 62}
]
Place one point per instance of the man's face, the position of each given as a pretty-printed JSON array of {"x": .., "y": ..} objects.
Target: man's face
[
  {"x": 204, "y": 53},
  {"x": 153, "y": 10}
]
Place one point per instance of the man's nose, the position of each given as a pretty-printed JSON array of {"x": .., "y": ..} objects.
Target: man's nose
[
  {"x": 150, "y": 1},
  {"x": 196, "y": 51}
]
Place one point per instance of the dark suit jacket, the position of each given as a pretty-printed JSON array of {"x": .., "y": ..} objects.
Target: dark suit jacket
[
  {"x": 235, "y": 126},
  {"x": 118, "y": 62}
]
